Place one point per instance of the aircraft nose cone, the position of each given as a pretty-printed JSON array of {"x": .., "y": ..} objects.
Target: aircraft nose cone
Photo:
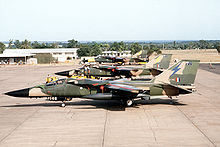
[
  {"x": 63, "y": 73},
  {"x": 19, "y": 93}
]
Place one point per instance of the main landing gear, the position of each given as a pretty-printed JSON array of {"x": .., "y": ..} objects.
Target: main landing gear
[
  {"x": 171, "y": 100},
  {"x": 128, "y": 102}
]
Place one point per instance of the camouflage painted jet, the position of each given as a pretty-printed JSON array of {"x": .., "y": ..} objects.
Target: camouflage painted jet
[
  {"x": 140, "y": 57},
  {"x": 107, "y": 59},
  {"x": 154, "y": 67},
  {"x": 176, "y": 80}
]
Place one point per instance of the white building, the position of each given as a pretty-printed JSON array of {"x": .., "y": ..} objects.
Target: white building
[
  {"x": 61, "y": 54},
  {"x": 11, "y": 58},
  {"x": 124, "y": 54}
]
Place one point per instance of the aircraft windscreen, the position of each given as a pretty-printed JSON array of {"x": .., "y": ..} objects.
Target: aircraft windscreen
[{"x": 60, "y": 81}]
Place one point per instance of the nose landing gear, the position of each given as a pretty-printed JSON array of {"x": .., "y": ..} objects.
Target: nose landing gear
[
  {"x": 64, "y": 99},
  {"x": 63, "y": 104}
]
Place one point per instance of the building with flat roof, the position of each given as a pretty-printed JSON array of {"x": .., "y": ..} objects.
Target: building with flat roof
[
  {"x": 11, "y": 58},
  {"x": 60, "y": 54}
]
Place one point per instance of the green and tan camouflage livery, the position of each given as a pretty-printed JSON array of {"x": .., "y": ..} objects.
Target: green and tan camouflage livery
[
  {"x": 182, "y": 73},
  {"x": 176, "y": 80},
  {"x": 153, "y": 67},
  {"x": 160, "y": 62}
]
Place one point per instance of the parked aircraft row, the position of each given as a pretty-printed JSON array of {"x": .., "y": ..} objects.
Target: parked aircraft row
[
  {"x": 154, "y": 67},
  {"x": 139, "y": 58},
  {"x": 123, "y": 83}
]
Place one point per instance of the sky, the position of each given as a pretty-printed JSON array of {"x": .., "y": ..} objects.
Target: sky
[{"x": 98, "y": 20}]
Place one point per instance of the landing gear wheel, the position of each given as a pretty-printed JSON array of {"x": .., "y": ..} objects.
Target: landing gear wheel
[
  {"x": 129, "y": 103},
  {"x": 171, "y": 100},
  {"x": 63, "y": 105}
]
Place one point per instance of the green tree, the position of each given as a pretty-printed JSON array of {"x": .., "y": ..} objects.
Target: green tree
[
  {"x": 203, "y": 44},
  {"x": 84, "y": 51},
  {"x": 2, "y": 47},
  {"x": 118, "y": 46},
  {"x": 36, "y": 45},
  {"x": 25, "y": 44},
  {"x": 153, "y": 48},
  {"x": 135, "y": 47},
  {"x": 174, "y": 44},
  {"x": 95, "y": 49},
  {"x": 150, "y": 52},
  {"x": 45, "y": 58},
  {"x": 17, "y": 44},
  {"x": 72, "y": 43},
  {"x": 114, "y": 46},
  {"x": 146, "y": 47},
  {"x": 55, "y": 45},
  {"x": 10, "y": 44},
  {"x": 105, "y": 47},
  {"x": 44, "y": 45}
]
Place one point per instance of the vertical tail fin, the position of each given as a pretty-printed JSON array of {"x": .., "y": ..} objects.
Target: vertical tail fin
[
  {"x": 160, "y": 62},
  {"x": 182, "y": 73},
  {"x": 137, "y": 54}
]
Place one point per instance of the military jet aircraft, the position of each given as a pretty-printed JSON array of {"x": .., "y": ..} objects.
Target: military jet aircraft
[
  {"x": 140, "y": 58},
  {"x": 107, "y": 59},
  {"x": 174, "y": 81},
  {"x": 154, "y": 67}
]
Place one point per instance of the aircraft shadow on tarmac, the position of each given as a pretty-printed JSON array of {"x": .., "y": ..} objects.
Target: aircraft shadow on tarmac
[{"x": 111, "y": 105}]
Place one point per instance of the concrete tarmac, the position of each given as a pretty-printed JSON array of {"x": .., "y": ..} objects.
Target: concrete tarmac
[{"x": 193, "y": 121}]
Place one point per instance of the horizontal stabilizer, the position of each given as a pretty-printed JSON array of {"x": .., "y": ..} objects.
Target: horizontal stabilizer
[{"x": 181, "y": 90}]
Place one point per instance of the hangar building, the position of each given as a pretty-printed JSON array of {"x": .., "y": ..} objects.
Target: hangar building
[{"x": 15, "y": 55}]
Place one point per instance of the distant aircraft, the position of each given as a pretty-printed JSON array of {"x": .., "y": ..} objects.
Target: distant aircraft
[
  {"x": 176, "y": 80},
  {"x": 107, "y": 59},
  {"x": 154, "y": 67},
  {"x": 140, "y": 58}
]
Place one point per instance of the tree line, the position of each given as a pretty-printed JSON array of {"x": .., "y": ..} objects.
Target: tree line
[{"x": 96, "y": 48}]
